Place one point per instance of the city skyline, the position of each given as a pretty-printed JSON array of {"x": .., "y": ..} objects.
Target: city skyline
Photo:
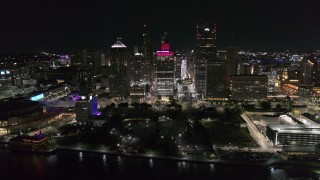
[{"x": 59, "y": 26}]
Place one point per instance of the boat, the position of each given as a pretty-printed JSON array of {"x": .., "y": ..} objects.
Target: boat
[{"x": 37, "y": 143}]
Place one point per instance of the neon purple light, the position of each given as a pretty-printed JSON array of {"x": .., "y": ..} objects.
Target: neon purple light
[
  {"x": 75, "y": 97},
  {"x": 98, "y": 113}
]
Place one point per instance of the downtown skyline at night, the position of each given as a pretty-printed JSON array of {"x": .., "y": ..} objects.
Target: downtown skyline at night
[{"x": 176, "y": 89}]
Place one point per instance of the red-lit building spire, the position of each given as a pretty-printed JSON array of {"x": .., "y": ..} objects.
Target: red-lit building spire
[{"x": 165, "y": 47}]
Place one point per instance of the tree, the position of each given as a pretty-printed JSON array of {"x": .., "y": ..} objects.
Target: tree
[
  {"x": 265, "y": 105},
  {"x": 135, "y": 105},
  {"x": 123, "y": 105},
  {"x": 145, "y": 106}
]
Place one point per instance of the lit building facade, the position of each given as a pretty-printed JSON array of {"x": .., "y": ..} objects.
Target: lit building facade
[
  {"x": 118, "y": 83},
  {"x": 307, "y": 71},
  {"x": 209, "y": 70},
  {"x": 249, "y": 87},
  {"x": 140, "y": 66},
  {"x": 85, "y": 84},
  {"x": 294, "y": 135},
  {"x": 165, "y": 69}
]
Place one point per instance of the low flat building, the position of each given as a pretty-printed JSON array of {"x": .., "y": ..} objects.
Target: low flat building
[{"x": 294, "y": 135}]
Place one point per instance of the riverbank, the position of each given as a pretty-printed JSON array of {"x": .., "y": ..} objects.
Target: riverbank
[
  {"x": 267, "y": 163},
  {"x": 151, "y": 156}
]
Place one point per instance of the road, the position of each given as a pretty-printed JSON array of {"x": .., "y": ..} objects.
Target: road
[{"x": 258, "y": 136}]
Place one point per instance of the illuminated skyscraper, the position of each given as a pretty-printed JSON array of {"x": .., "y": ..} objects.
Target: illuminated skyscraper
[
  {"x": 209, "y": 70},
  {"x": 165, "y": 69},
  {"x": 309, "y": 71},
  {"x": 119, "y": 56}
]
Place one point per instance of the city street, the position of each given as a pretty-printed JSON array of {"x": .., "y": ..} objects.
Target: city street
[{"x": 263, "y": 142}]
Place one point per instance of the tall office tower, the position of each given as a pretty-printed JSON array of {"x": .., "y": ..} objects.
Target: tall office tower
[
  {"x": 149, "y": 66},
  {"x": 94, "y": 60},
  {"x": 249, "y": 87},
  {"x": 146, "y": 46},
  {"x": 118, "y": 84},
  {"x": 309, "y": 71},
  {"x": 316, "y": 78},
  {"x": 165, "y": 69},
  {"x": 87, "y": 59},
  {"x": 139, "y": 69},
  {"x": 79, "y": 58},
  {"x": 82, "y": 109},
  {"x": 84, "y": 82},
  {"x": 85, "y": 88},
  {"x": 209, "y": 70},
  {"x": 140, "y": 64},
  {"x": 232, "y": 60},
  {"x": 191, "y": 64},
  {"x": 180, "y": 57}
]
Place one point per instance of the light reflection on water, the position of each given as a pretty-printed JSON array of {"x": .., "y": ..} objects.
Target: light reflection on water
[
  {"x": 52, "y": 159},
  {"x": 104, "y": 160},
  {"x": 80, "y": 157},
  {"x": 94, "y": 166},
  {"x": 211, "y": 167},
  {"x": 151, "y": 163}
]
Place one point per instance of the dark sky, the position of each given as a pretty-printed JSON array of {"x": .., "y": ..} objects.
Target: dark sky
[{"x": 58, "y": 25}]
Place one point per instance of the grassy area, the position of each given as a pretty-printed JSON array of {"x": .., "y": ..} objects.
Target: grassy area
[{"x": 225, "y": 134}]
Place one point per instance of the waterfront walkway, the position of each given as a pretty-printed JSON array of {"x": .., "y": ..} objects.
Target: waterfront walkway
[
  {"x": 267, "y": 163},
  {"x": 152, "y": 156}
]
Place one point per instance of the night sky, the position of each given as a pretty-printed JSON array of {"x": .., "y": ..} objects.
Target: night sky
[{"x": 61, "y": 25}]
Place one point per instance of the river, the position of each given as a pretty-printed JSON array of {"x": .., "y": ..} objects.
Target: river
[{"x": 82, "y": 165}]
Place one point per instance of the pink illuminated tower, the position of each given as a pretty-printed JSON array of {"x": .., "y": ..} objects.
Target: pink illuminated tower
[{"x": 165, "y": 69}]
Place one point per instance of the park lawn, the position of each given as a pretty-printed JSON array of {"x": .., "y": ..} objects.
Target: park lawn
[{"x": 223, "y": 134}]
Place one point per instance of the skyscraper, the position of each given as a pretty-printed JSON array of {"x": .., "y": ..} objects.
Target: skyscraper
[
  {"x": 119, "y": 56},
  {"x": 309, "y": 72},
  {"x": 209, "y": 70},
  {"x": 165, "y": 69},
  {"x": 146, "y": 47},
  {"x": 232, "y": 60}
]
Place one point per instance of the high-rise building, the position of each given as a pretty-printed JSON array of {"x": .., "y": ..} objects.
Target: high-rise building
[
  {"x": 135, "y": 69},
  {"x": 165, "y": 69},
  {"x": 119, "y": 56},
  {"x": 88, "y": 63},
  {"x": 206, "y": 41},
  {"x": 232, "y": 60},
  {"x": 146, "y": 46},
  {"x": 85, "y": 84},
  {"x": 309, "y": 71},
  {"x": 140, "y": 66},
  {"x": 82, "y": 109},
  {"x": 79, "y": 58},
  {"x": 209, "y": 70},
  {"x": 180, "y": 60},
  {"x": 249, "y": 87}
]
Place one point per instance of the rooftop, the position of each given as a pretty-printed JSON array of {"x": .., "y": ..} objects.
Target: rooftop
[
  {"x": 118, "y": 44},
  {"x": 15, "y": 104}
]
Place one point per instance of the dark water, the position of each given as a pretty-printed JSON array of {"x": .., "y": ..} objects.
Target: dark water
[{"x": 76, "y": 165}]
